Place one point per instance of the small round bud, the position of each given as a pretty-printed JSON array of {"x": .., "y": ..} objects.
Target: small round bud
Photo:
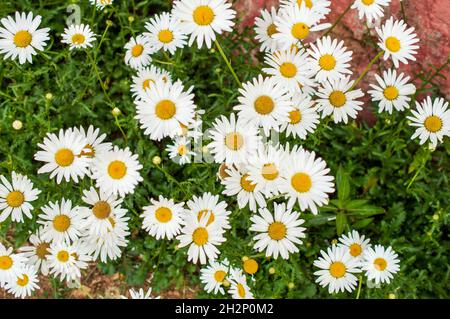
[
  {"x": 250, "y": 266},
  {"x": 244, "y": 259},
  {"x": 271, "y": 270},
  {"x": 131, "y": 19},
  {"x": 291, "y": 285},
  {"x": 116, "y": 111},
  {"x": 17, "y": 125},
  {"x": 436, "y": 217},
  {"x": 334, "y": 242},
  {"x": 205, "y": 149},
  {"x": 156, "y": 160},
  {"x": 109, "y": 23},
  {"x": 226, "y": 283},
  {"x": 392, "y": 296},
  {"x": 49, "y": 96}
]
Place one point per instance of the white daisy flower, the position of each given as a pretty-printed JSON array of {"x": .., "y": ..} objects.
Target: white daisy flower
[
  {"x": 380, "y": 264},
  {"x": 233, "y": 141},
  {"x": 180, "y": 150},
  {"x": 295, "y": 23},
  {"x": 62, "y": 155},
  {"x": 239, "y": 288},
  {"x": 140, "y": 294},
  {"x": 24, "y": 283},
  {"x": 101, "y": 4},
  {"x": 37, "y": 253},
  {"x": 291, "y": 69},
  {"x": 20, "y": 37},
  {"x": 320, "y": 7},
  {"x": 78, "y": 36},
  {"x": 392, "y": 91},
  {"x": 432, "y": 119},
  {"x": 329, "y": 59},
  {"x": 202, "y": 19},
  {"x": 201, "y": 238},
  {"x": 67, "y": 261},
  {"x": 303, "y": 119},
  {"x": 354, "y": 243},
  {"x": 265, "y": 103},
  {"x": 370, "y": 9},
  {"x": 306, "y": 180},
  {"x": 337, "y": 270},
  {"x": 397, "y": 41},
  {"x": 15, "y": 197},
  {"x": 214, "y": 275},
  {"x": 101, "y": 207},
  {"x": 165, "y": 32},
  {"x": 264, "y": 170},
  {"x": 94, "y": 142},
  {"x": 116, "y": 172},
  {"x": 138, "y": 52},
  {"x": 194, "y": 129},
  {"x": 10, "y": 264},
  {"x": 163, "y": 107},
  {"x": 265, "y": 29},
  {"x": 209, "y": 204},
  {"x": 61, "y": 222},
  {"x": 279, "y": 233},
  {"x": 163, "y": 218},
  {"x": 237, "y": 183},
  {"x": 146, "y": 78},
  {"x": 336, "y": 98}
]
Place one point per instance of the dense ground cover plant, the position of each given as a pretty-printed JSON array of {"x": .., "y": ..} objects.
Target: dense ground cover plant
[{"x": 388, "y": 187}]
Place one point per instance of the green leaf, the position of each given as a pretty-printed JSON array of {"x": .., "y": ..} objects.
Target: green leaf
[
  {"x": 362, "y": 223},
  {"x": 365, "y": 210},
  {"x": 341, "y": 222},
  {"x": 343, "y": 185}
]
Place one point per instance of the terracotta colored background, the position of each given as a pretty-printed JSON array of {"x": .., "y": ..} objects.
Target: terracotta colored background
[{"x": 430, "y": 18}]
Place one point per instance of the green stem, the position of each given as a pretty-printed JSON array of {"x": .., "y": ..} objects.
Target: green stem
[
  {"x": 434, "y": 74},
  {"x": 101, "y": 40},
  {"x": 120, "y": 129},
  {"x": 227, "y": 62},
  {"x": 402, "y": 8},
  {"x": 338, "y": 19},
  {"x": 366, "y": 70},
  {"x": 359, "y": 287}
]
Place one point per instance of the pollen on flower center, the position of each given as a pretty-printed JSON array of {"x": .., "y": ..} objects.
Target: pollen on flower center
[
  {"x": 337, "y": 269},
  {"x": 433, "y": 123},
  {"x": 270, "y": 171},
  {"x": 165, "y": 109},
  {"x": 117, "y": 169},
  {"x": 146, "y": 84},
  {"x": 391, "y": 93},
  {"x": 271, "y": 30},
  {"x": 165, "y": 36},
  {"x": 89, "y": 153},
  {"x": 367, "y": 2},
  {"x": 23, "y": 281},
  {"x": 78, "y": 38},
  {"x": 393, "y": 44},
  {"x": 182, "y": 150},
  {"x": 22, "y": 39},
  {"x": 301, "y": 182},
  {"x": 163, "y": 214},
  {"x": 246, "y": 184},
  {"x": 277, "y": 231},
  {"x": 288, "y": 70},
  {"x": 264, "y": 105},
  {"x": 241, "y": 290},
  {"x": 380, "y": 264},
  {"x": 327, "y": 62},
  {"x": 42, "y": 250},
  {"x": 15, "y": 199},
  {"x": 137, "y": 50},
  {"x": 64, "y": 157},
  {"x": 61, "y": 223},
  {"x": 200, "y": 236},
  {"x": 6, "y": 262},
  {"x": 203, "y": 15},
  {"x": 308, "y": 3},
  {"x": 337, "y": 98},
  {"x": 234, "y": 141},
  {"x": 250, "y": 266},
  {"x": 300, "y": 31},
  {"x": 205, "y": 211},
  {"x": 219, "y": 275},
  {"x": 63, "y": 256},
  {"x": 101, "y": 210},
  {"x": 355, "y": 250},
  {"x": 295, "y": 116}
]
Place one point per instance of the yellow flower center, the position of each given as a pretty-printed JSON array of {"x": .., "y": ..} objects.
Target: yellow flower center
[
  {"x": 163, "y": 214},
  {"x": 23, "y": 281},
  {"x": 300, "y": 31},
  {"x": 205, "y": 211},
  {"x": 391, "y": 93},
  {"x": 89, "y": 153},
  {"x": 203, "y": 15},
  {"x": 219, "y": 275},
  {"x": 64, "y": 157},
  {"x": 327, "y": 62},
  {"x": 63, "y": 256},
  {"x": 61, "y": 223},
  {"x": 241, "y": 290},
  {"x": 337, "y": 269},
  {"x": 295, "y": 116},
  {"x": 269, "y": 171},
  {"x": 271, "y": 30},
  {"x": 393, "y": 44},
  {"x": 355, "y": 250},
  {"x": 101, "y": 210},
  {"x": 6, "y": 262},
  {"x": 165, "y": 36},
  {"x": 234, "y": 141},
  {"x": 146, "y": 84},
  {"x": 78, "y": 38},
  {"x": 165, "y": 109},
  {"x": 15, "y": 199},
  {"x": 182, "y": 150},
  {"x": 22, "y": 39},
  {"x": 250, "y": 266},
  {"x": 137, "y": 50},
  {"x": 277, "y": 231},
  {"x": 367, "y": 2},
  {"x": 301, "y": 182},
  {"x": 200, "y": 236},
  {"x": 42, "y": 250},
  {"x": 308, "y": 3},
  {"x": 433, "y": 123},
  {"x": 246, "y": 184},
  {"x": 380, "y": 264},
  {"x": 117, "y": 169},
  {"x": 288, "y": 70},
  {"x": 264, "y": 105},
  {"x": 337, "y": 98}
]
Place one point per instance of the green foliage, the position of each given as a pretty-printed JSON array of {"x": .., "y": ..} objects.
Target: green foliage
[{"x": 388, "y": 187}]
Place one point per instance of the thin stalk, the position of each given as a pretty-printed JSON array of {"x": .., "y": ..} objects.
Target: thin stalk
[
  {"x": 227, "y": 62},
  {"x": 366, "y": 70},
  {"x": 359, "y": 287},
  {"x": 434, "y": 74},
  {"x": 338, "y": 19}
]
